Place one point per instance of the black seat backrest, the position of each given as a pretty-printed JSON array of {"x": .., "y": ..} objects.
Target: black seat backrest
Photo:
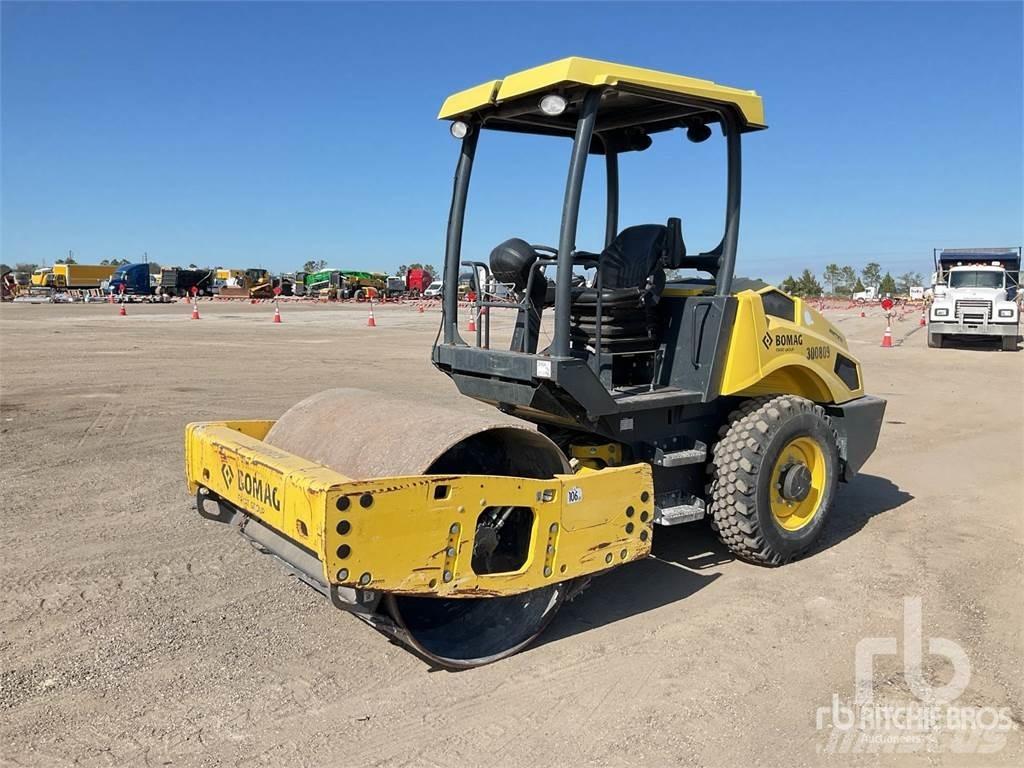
[{"x": 638, "y": 252}]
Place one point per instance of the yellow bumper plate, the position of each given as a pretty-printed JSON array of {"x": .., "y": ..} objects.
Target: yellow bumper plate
[{"x": 415, "y": 535}]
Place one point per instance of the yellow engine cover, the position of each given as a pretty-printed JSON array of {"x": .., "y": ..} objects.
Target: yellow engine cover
[{"x": 802, "y": 354}]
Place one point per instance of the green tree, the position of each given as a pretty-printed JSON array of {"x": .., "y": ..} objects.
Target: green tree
[
  {"x": 871, "y": 274},
  {"x": 908, "y": 279},
  {"x": 314, "y": 266},
  {"x": 805, "y": 285},
  {"x": 858, "y": 286},
  {"x": 887, "y": 286},
  {"x": 432, "y": 270},
  {"x": 832, "y": 275},
  {"x": 847, "y": 278},
  {"x": 25, "y": 268},
  {"x": 402, "y": 269},
  {"x": 808, "y": 284}
]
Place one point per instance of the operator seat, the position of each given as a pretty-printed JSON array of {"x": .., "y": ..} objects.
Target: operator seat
[{"x": 632, "y": 277}]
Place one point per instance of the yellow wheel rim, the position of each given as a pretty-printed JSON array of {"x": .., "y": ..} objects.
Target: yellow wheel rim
[{"x": 798, "y": 483}]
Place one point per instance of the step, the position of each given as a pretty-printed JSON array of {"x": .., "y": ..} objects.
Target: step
[
  {"x": 696, "y": 455},
  {"x": 680, "y": 513}
]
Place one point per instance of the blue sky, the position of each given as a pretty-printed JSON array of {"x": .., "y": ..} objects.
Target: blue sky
[{"x": 268, "y": 134}]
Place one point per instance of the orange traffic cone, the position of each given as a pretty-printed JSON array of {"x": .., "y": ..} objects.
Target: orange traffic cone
[
  {"x": 923, "y": 322},
  {"x": 887, "y": 336},
  {"x": 472, "y": 323},
  {"x": 421, "y": 309},
  {"x": 195, "y": 311},
  {"x": 370, "y": 322},
  {"x": 862, "y": 313},
  {"x": 277, "y": 314},
  {"x": 123, "y": 311}
]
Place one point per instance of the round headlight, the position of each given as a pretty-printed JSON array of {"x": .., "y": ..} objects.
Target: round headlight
[
  {"x": 459, "y": 129},
  {"x": 553, "y": 104}
]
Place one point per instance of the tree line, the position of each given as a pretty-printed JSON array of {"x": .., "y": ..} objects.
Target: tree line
[{"x": 845, "y": 281}]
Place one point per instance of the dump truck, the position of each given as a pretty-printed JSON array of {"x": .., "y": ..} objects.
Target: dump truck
[
  {"x": 175, "y": 281},
  {"x": 650, "y": 403},
  {"x": 417, "y": 280},
  {"x": 975, "y": 294},
  {"x": 298, "y": 281}
]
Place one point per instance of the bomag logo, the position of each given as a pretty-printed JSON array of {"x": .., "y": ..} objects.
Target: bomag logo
[
  {"x": 253, "y": 486},
  {"x": 782, "y": 341}
]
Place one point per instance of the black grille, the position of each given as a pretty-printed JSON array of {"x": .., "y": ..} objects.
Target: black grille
[{"x": 846, "y": 370}]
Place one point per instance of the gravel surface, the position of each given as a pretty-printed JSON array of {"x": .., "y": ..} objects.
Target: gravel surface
[{"x": 132, "y": 632}]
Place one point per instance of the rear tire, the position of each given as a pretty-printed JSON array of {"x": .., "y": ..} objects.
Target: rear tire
[
  {"x": 764, "y": 441},
  {"x": 1009, "y": 343},
  {"x": 935, "y": 340}
]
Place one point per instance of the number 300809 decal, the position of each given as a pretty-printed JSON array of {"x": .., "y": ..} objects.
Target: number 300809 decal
[{"x": 819, "y": 353}]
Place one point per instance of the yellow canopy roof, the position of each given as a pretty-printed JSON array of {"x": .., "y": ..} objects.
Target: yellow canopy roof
[{"x": 591, "y": 72}]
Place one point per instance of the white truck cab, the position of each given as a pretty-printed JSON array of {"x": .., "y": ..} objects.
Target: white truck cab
[
  {"x": 868, "y": 294},
  {"x": 972, "y": 297}
]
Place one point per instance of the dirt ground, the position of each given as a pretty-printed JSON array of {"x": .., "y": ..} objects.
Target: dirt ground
[{"x": 132, "y": 632}]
